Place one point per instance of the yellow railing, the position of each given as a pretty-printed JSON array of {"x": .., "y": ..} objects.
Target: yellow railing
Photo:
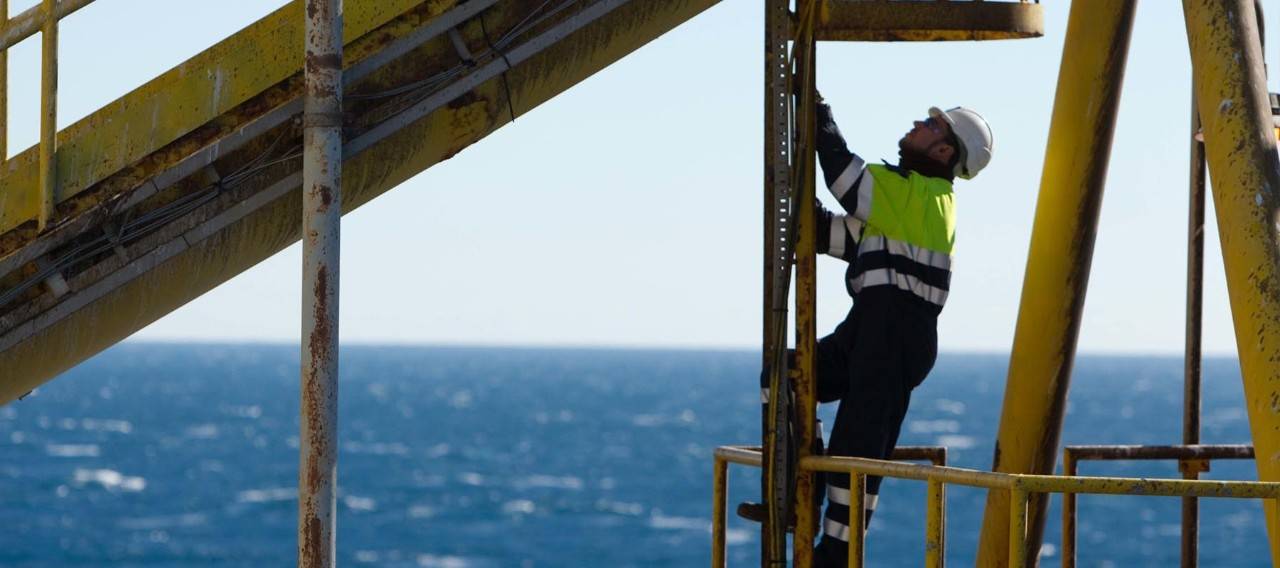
[
  {"x": 1020, "y": 487},
  {"x": 44, "y": 19}
]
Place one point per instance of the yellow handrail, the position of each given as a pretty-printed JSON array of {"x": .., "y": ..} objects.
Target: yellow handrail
[{"x": 1020, "y": 487}]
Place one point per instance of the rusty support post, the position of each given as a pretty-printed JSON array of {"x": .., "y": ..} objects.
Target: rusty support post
[
  {"x": 805, "y": 385},
  {"x": 1240, "y": 149},
  {"x": 1018, "y": 528},
  {"x": 1057, "y": 274},
  {"x": 4, "y": 85},
  {"x": 1191, "y": 357},
  {"x": 719, "y": 506},
  {"x": 321, "y": 216},
  {"x": 48, "y": 113},
  {"x": 857, "y": 519},
  {"x": 1068, "y": 513},
  {"x": 777, "y": 274}
]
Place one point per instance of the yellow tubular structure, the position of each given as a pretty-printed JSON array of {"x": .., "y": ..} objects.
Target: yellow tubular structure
[
  {"x": 806, "y": 294},
  {"x": 719, "y": 507},
  {"x": 48, "y": 114},
  {"x": 188, "y": 271},
  {"x": 935, "y": 549},
  {"x": 1240, "y": 147},
  {"x": 1089, "y": 81}
]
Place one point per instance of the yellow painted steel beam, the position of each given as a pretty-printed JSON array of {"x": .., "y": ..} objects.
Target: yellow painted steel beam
[
  {"x": 1053, "y": 291},
  {"x": 1240, "y": 147},
  {"x": 172, "y": 105},
  {"x": 913, "y": 20},
  {"x": 197, "y": 268}
]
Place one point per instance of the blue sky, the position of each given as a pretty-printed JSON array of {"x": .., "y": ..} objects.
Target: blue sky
[{"x": 626, "y": 212}]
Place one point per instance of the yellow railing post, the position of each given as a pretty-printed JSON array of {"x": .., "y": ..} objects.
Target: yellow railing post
[
  {"x": 1240, "y": 147},
  {"x": 48, "y": 112},
  {"x": 1017, "y": 527},
  {"x": 935, "y": 549},
  {"x": 719, "y": 502},
  {"x": 1053, "y": 290},
  {"x": 857, "y": 518}
]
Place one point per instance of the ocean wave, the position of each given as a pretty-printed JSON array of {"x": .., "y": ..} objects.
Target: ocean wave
[
  {"x": 73, "y": 450},
  {"x": 933, "y": 426},
  {"x": 519, "y": 506},
  {"x": 435, "y": 561},
  {"x": 109, "y": 479},
  {"x": 659, "y": 521},
  {"x": 203, "y": 431},
  {"x": 268, "y": 495},
  {"x": 549, "y": 482},
  {"x": 163, "y": 522},
  {"x": 362, "y": 504},
  {"x": 376, "y": 448},
  {"x": 620, "y": 508},
  {"x": 106, "y": 425},
  {"x": 955, "y": 442}
]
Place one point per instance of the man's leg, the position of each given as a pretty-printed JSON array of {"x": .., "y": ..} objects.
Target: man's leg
[{"x": 866, "y": 424}]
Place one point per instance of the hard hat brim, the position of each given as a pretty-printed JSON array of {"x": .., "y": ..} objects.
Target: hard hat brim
[{"x": 936, "y": 112}]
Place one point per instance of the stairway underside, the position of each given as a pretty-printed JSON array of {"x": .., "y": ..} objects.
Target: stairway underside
[{"x": 195, "y": 177}]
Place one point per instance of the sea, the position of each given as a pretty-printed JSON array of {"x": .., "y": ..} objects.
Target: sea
[{"x": 156, "y": 454}]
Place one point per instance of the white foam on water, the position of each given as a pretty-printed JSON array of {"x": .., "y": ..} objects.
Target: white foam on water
[
  {"x": 956, "y": 442},
  {"x": 950, "y": 406},
  {"x": 268, "y": 495},
  {"x": 519, "y": 506},
  {"x": 107, "y": 425},
  {"x": 421, "y": 512},
  {"x": 550, "y": 482},
  {"x": 375, "y": 448},
  {"x": 734, "y": 537},
  {"x": 163, "y": 522},
  {"x": 620, "y": 508},
  {"x": 933, "y": 426},
  {"x": 73, "y": 450},
  {"x": 435, "y": 561},
  {"x": 472, "y": 479},
  {"x": 659, "y": 521},
  {"x": 109, "y": 479},
  {"x": 356, "y": 503},
  {"x": 203, "y": 431}
]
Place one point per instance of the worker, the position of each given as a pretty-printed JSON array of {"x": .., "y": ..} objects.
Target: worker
[{"x": 897, "y": 232}]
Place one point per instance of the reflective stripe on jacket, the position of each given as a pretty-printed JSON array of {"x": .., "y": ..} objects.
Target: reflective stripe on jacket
[{"x": 899, "y": 226}]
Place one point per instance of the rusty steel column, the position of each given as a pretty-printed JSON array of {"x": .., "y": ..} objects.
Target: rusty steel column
[
  {"x": 1057, "y": 274},
  {"x": 321, "y": 216},
  {"x": 805, "y": 378},
  {"x": 1191, "y": 358},
  {"x": 1240, "y": 148}
]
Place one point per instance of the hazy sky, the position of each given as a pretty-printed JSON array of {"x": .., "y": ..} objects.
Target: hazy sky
[{"x": 626, "y": 212}]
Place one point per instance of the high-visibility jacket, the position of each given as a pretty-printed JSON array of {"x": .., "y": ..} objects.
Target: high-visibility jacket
[{"x": 898, "y": 227}]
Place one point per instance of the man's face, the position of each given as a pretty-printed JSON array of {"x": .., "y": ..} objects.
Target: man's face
[{"x": 929, "y": 137}]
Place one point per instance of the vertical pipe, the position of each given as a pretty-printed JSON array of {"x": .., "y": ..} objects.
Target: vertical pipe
[
  {"x": 934, "y": 550},
  {"x": 48, "y": 112},
  {"x": 1191, "y": 359},
  {"x": 857, "y": 518},
  {"x": 1240, "y": 149},
  {"x": 4, "y": 85},
  {"x": 806, "y": 311},
  {"x": 777, "y": 174},
  {"x": 719, "y": 504},
  {"x": 1057, "y": 273},
  {"x": 1018, "y": 527},
  {"x": 321, "y": 216},
  {"x": 1068, "y": 514}
]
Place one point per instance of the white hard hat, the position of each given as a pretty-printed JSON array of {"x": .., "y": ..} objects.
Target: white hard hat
[{"x": 975, "y": 139}]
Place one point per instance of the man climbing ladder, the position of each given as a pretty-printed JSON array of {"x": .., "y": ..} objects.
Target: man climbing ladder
[{"x": 897, "y": 233}]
